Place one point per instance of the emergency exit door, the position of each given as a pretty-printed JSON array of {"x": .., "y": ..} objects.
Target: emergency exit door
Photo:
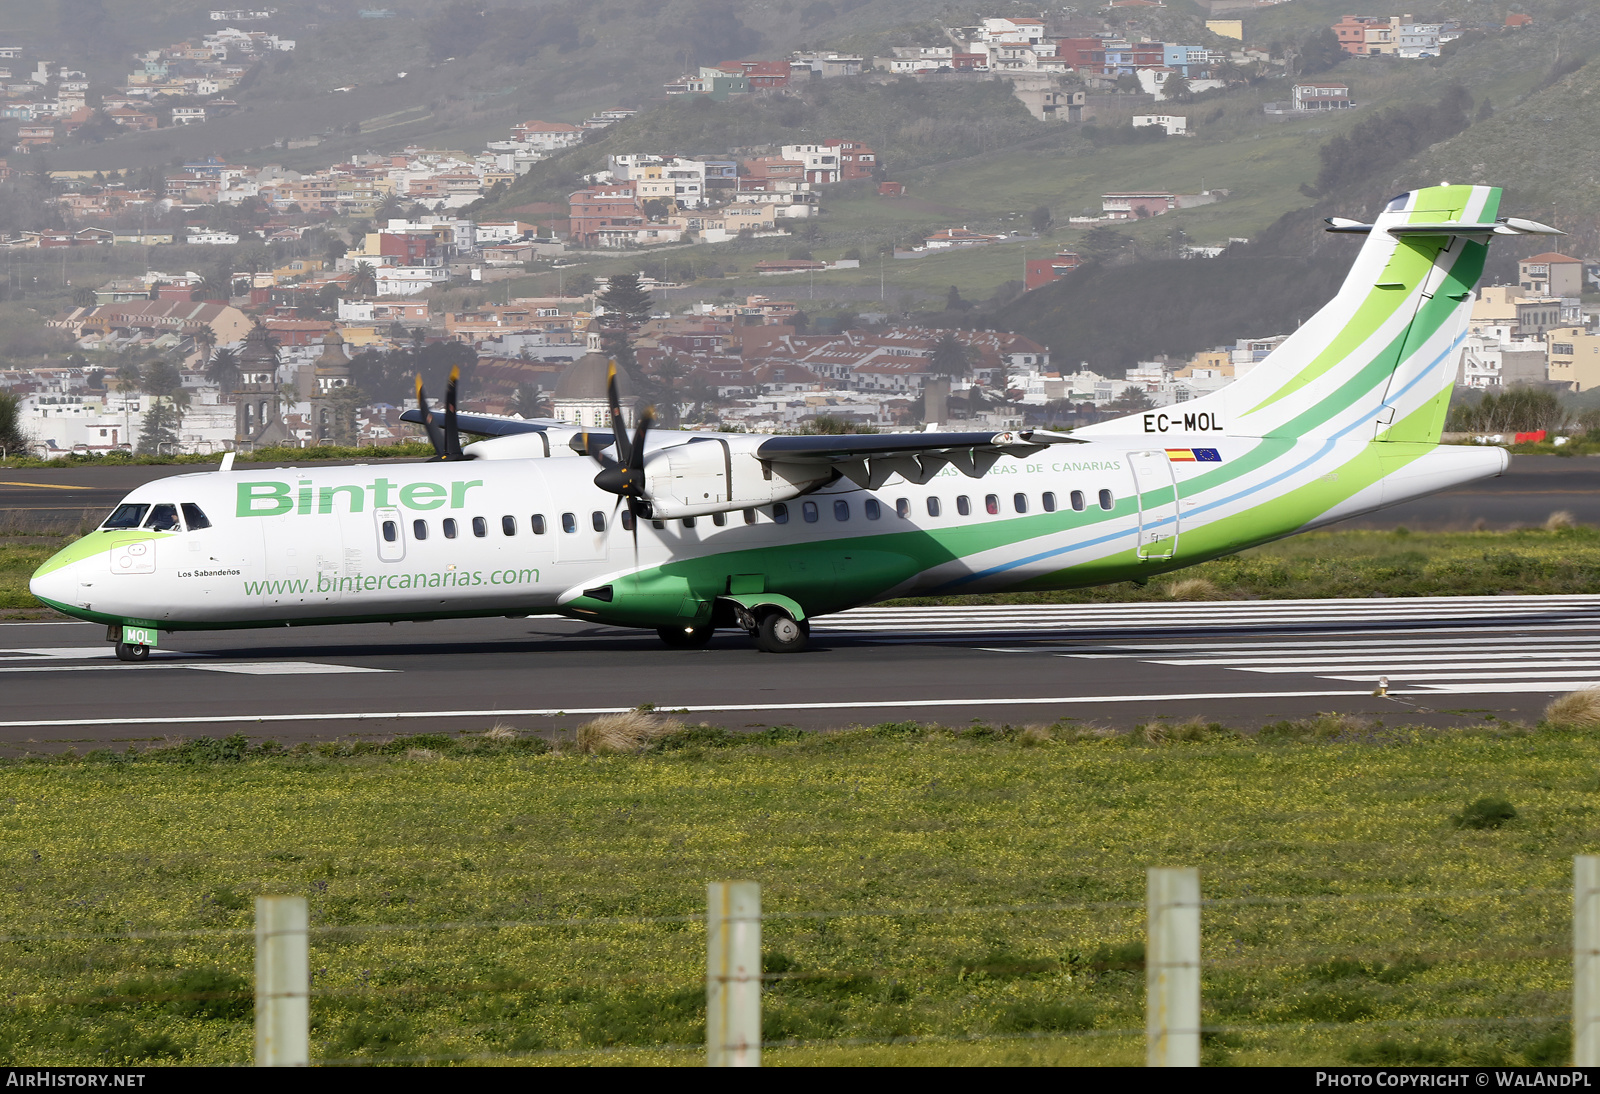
[{"x": 1156, "y": 488}]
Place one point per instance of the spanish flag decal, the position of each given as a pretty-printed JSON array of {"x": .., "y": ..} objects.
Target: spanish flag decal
[{"x": 1194, "y": 455}]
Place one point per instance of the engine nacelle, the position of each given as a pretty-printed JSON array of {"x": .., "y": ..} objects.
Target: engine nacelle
[{"x": 717, "y": 475}]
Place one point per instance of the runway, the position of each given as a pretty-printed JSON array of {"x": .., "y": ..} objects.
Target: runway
[{"x": 1446, "y": 660}]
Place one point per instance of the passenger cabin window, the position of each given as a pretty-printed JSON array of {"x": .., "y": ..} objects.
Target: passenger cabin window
[
  {"x": 688, "y": 522},
  {"x": 627, "y": 520},
  {"x": 536, "y": 524},
  {"x": 419, "y": 529},
  {"x": 719, "y": 519},
  {"x": 1019, "y": 502},
  {"x": 780, "y": 513},
  {"x": 1048, "y": 500},
  {"x": 658, "y": 524},
  {"x": 126, "y": 515},
  {"x": 569, "y": 523},
  {"x": 508, "y": 526},
  {"x": 991, "y": 504},
  {"x": 749, "y": 516},
  {"x": 193, "y": 517},
  {"x": 872, "y": 508},
  {"x": 1105, "y": 499},
  {"x": 963, "y": 505},
  {"x": 450, "y": 528},
  {"x": 933, "y": 507},
  {"x": 902, "y": 507},
  {"x": 1077, "y": 500},
  {"x": 391, "y": 531},
  {"x": 163, "y": 518},
  {"x": 841, "y": 510},
  {"x": 480, "y": 527},
  {"x": 809, "y": 511}
]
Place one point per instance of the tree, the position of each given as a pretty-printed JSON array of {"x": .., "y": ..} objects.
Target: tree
[
  {"x": 950, "y": 356},
  {"x": 1102, "y": 244},
  {"x": 1320, "y": 51},
  {"x": 528, "y": 401},
  {"x": 364, "y": 279},
  {"x": 1176, "y": 89},
  {"x": 161, "y": 380},
  {"x": 1041, "y": 219},
  {"x": 953, "y": 301},
  {"x": 12, "y": 439},
  {"x": 223, "y": 370},
  {"x": 83, "y": 297},
  {"x": 627, "y": 307},
  {"x": 1131, "y": 399}
]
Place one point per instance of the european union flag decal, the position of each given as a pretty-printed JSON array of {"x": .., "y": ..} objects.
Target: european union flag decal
[{"x": 1207, "y": 455}]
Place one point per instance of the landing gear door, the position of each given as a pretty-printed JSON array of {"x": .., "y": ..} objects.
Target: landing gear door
[
  {"x": 391, "y": 532},
  {"x": 1156, "y": 488}
]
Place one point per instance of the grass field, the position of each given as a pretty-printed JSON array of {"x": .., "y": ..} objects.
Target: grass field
[
  {"x": 1357, "y": 918},
  {"x": 1319, "y": 564}
]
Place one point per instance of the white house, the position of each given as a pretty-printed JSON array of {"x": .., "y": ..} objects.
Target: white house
[
  {"x": 202, "y": 236},
  {"x": 1174, "y": 124}
]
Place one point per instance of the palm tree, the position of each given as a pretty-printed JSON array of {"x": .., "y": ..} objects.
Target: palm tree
[
  {"x": 223, "y": 370},
  {"x": 205, "y": 340},
  {"x": 364, "y": 280}
]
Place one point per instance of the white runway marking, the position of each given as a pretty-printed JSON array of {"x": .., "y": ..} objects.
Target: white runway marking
[
  {"x": 759, "y": 708},
  {"x": 282, "y": 668},
  {"x": 1021, "y": 618}
]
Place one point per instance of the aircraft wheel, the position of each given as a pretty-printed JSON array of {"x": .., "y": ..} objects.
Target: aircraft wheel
[
  {"x": 779, "y": 633},
  {"x": 126, "y": 652},
  {"x": 686, "y": 638}
]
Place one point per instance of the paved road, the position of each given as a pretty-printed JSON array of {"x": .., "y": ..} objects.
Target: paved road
[
  {"x": 1245, "y": 663},
  {"x": 1528, "y": 493}
]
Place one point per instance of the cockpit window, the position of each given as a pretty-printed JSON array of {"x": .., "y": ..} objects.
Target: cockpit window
[
  {"x": 193, "y": 517},
  {"x": 163, "y": 518},
  {"x": 127, "y": 515}
]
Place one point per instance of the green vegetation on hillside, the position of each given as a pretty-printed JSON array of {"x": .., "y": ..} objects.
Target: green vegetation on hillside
[{"x": 1381, "y": 894}]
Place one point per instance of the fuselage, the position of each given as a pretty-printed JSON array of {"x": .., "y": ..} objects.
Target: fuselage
[{"x": 386, "y": 541}]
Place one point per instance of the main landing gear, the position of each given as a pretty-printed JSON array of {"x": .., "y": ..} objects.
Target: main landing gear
[{"x": 773, "y": 630}]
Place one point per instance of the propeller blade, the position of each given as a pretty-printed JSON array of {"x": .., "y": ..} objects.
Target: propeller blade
[
  {"x": 429, "y": 424},
  {"x": 452, "y": 435},
  {"x": 619, "y": 428}
]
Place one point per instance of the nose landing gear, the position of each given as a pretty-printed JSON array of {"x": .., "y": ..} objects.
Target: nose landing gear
[{"x": 127, "y": 652}]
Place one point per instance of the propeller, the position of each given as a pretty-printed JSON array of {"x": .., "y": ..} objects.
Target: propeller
[
  {"x": 624, "y": 476},
  {"x": 445, "y": 438}
]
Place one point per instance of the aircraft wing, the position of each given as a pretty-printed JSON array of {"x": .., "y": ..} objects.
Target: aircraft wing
[
  {"x": 869, "y": 459},
  {"x": 491, "y": 425}
]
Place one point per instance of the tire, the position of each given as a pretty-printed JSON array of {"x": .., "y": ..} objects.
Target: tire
[
  {"x": 126, "y": 652},
  {"x": 779, "y": 633},
  {"x": 687, "y": 638}
]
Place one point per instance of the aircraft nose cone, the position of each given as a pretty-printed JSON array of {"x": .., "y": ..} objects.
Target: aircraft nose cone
[{"x": 54, "y": 582}]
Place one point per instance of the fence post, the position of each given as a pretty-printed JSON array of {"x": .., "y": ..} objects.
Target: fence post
[
  {"x": 282, "y": 983},
  {"x": 733, "y": 974},
  {"x": 1586, "y": 961},
  {"x": 1172, "y": 967}
]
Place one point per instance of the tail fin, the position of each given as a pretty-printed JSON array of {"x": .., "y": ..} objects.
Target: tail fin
[{"x": 1379, "y": 357}]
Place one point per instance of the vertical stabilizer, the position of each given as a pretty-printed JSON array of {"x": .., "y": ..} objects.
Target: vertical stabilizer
[{"x": 1379, "y": 359}]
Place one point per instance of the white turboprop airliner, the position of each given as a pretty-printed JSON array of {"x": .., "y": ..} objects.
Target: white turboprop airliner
[{"x": 763, "y": 532}]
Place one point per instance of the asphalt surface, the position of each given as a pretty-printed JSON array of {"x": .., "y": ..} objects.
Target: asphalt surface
[
  {"x": 1532, "y": 489},
  {"x": 1446, "y": 660}
]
